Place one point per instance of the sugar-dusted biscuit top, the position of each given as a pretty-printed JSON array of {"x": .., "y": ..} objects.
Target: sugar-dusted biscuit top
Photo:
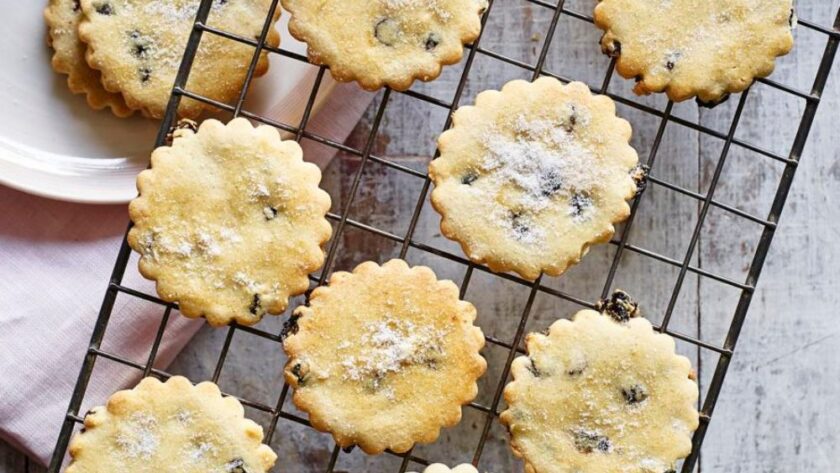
[
  {"x": 171, "y": 426},
  {"x": 689, "y": 48},
  {"x": 384, "y": 357},
  {"x": 532, "y": 175},
  {"x": 229, "y": 222},
  {"x": 385, "y": 42}
]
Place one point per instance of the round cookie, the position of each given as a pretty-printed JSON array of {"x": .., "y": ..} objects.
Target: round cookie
[
  {"x": 596, "y": 395},
  {"x": 138, "y": 46},
  {"x": 171, "y": 426},
  {"x": 229, "y": 222},
  {"x": 531, "y": 176},
  {"x": 441, "y": 468},
  {"x": 385, "y": 356},
  {"x": 690, "y": 48},
  {"x": 385, "y": 42},
  {"x": 63, "y": 17}
]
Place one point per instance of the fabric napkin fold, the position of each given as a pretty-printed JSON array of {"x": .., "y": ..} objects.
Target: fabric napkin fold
[{"x": 55, "y": 262}]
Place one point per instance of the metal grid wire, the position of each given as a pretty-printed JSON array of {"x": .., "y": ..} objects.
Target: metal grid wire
[{"x": 407, "y": 241}]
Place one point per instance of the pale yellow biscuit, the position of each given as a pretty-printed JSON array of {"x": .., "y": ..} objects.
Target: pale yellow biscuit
[
  {"x": 138, "y": 46},
  {"x": 229, "y": 222},
  {"x": 385, "y": 42},
  {"x": 63, "y": 17},
  {"x": 441, "y": 468},
  {"x": 168, "y": 427},
  {"x": 531, "y": 176},
  {"x": 702, "y": 48},
  {"x": 385, "y": 356},
  {"x": 595, "y": 395}
]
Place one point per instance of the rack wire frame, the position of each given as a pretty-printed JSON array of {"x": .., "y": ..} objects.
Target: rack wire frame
[{"x": 406, "y": 241}]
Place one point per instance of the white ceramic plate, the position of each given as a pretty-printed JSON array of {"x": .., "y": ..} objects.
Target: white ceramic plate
[{"x": 53, "y": 145}]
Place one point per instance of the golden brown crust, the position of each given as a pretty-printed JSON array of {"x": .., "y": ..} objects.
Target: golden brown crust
[
  {"x": 688, "y": 48},
  {"x": 171, "y": 426},
  {"x": 138, "y": 45},
  {"x": 532, "y": 175},
  {"x": 384, "y": 356},
  {"x": 597, "y": 395},
  {"x": 229, "y": 222},
  {"x": 385, "y": 42},
  {"x": 62, "y": 18}
]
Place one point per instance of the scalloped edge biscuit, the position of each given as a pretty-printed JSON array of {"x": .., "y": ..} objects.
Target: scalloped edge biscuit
[
  {"x": 358, "y": 61},
  {"x": 711, "y": 80},
  {"x": 278, "y": 182},
  {"x": 69, "y": 59},
  {"x": 346, "y": 406},
  {"x": 460, "y": 145},
  {"x": 91, "y": 448},
  {"x": 562, "y": 357}
]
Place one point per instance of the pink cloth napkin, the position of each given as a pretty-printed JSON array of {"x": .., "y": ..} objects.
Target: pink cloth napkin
[{"x": 55, "y": 262}]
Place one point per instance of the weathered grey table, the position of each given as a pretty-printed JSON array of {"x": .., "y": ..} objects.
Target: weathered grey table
[{"x": 779, "y": 405}]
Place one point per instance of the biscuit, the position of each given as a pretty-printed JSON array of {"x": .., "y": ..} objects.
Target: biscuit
[
  {"x": 229, "y": 221},
  {"x": 63, "y": 17},
  {"x": 385, "y": 42},
  {"x": 688, "y": 48},
  {"x": 385, "y": 356},
  {"x": 531, "y": 176},
  {"x": 138, "y": 46},
  {"x": 441, "y": 468},
  {"x": 171, "y": 426},
  {"x": 599, "y": 395}
]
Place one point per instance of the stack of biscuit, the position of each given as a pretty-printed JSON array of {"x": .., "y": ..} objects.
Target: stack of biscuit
[{"x": 124, "y": 54}]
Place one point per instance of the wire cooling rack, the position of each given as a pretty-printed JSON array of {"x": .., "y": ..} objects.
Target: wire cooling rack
[{"x": 407, "y": 241}]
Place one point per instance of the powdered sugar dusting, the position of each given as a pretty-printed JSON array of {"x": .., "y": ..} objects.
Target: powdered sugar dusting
[
  {"x": 172, "y": 11},
  {"x": 230, "y": 235},
  {"x": 522, "y": 226},
  {"x": 139, "y": 439},
  {"x": 184, "y": 416},
  {"x": 653, "y": 464},
  {"x": 183, "y": 248},
  {"x": 170, "y": 18},
  {"x": 200, "y": 451},
  {"x": 206, "y": 242},
  {"x": 434, "y": 5},
  {"x": 671, "y": 43},
  {"x": 542, "y": 158},
  {"x": 242, "y": 279},
  {"x": 389, "y": 345}
]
